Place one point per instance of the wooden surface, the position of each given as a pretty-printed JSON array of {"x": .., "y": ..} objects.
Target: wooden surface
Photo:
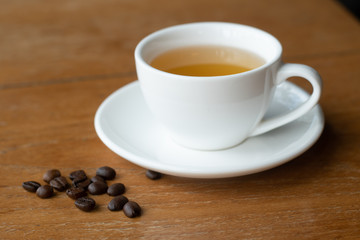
[{"x": 60, "y": 59}]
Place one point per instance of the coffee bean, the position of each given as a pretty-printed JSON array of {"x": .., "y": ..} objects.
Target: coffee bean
[
  {"x": 97, "y": 188},
  {"x": 59, "y": 183},
  {"x": 132, "y": 209},
  {"x": 117, "y": 203},
  {"x": 85, "y": 204},
  {"x": 83, "y": 184},
  {"x": 153, "y": 175},
  {"x": 45, "y": 191},
  {"x": 31, "y": 186},
  {"x": 80, "y": 175},
  {"x": 98, "y": 179},
  {"x": 51, "y": 174},
  {"x": 116, "y": 189},
  {"x": 76, "y": 192},
  {"x": 106, "y": 172}
]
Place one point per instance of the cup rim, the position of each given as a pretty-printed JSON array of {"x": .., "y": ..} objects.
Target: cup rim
[{"x": 140, "y": 46}]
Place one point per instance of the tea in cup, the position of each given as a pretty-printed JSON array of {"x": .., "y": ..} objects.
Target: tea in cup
[
  {"x": 210, "y": 84},
  {"x": 206, "y": 61}
]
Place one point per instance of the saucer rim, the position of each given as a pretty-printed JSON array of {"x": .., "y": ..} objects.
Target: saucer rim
[{"x": 180, "y": 171}]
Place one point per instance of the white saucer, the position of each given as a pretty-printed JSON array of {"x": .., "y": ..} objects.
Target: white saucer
[{"x": 125, "y": 125}]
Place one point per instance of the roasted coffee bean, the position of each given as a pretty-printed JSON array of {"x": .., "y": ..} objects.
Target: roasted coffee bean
[
  {"x": 45, "y": 191},
  {"x": 132, "y": 209},
  {"x": 51, "y": 174},
  {"x": 106, "y": 172},
  {"x": 153, "y": 175},
  {"x": 79, "y": 175},
  {"x": 97, "y": 188},
  {"x": 59, "y": 183},
  {"x": 31, "y": 186},
  {"x": 117, "y": 203},
  {"x": 83, "y": 184},
  {"x": 116, "y": 189},
  {"x": 76, "y": 192},
  {"x": 98, "y": 179},
  {"x": 85, "y": 204}
]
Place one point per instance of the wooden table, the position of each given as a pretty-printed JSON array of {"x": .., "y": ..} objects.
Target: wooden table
[{"x": 60, "y": 59}]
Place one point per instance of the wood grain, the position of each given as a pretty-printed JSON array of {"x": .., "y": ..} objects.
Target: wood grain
[{"x": 60, "y": 59}]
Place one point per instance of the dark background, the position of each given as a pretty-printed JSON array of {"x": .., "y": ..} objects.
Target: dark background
[{"x": 352, "y": 6}]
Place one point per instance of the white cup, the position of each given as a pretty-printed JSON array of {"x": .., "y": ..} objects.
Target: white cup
[{"x": 217, "y": 112}]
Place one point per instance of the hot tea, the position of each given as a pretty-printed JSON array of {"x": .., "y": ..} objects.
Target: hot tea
[{"x": 207, "y": 61}]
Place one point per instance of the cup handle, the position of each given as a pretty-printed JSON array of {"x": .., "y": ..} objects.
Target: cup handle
[{"x": 286, "y": 71}]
